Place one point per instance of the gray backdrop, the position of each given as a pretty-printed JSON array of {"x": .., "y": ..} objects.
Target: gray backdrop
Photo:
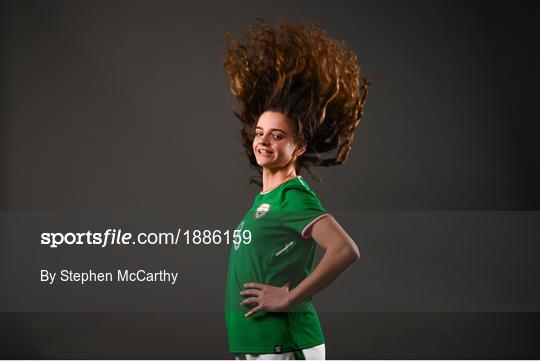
[{"x": 123, "y": 107}]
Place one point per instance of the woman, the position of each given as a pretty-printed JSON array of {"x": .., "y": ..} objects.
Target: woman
[{"x": 301, "y": 96}]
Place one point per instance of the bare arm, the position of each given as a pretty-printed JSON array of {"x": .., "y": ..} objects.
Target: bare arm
[{"x": 340, "y": 253}]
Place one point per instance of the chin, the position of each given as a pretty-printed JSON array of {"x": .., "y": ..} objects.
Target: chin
[{"x": 267, "y": 163}]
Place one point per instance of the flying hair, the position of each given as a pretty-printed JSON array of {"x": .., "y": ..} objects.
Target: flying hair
[{"x": 302, "y": 72}]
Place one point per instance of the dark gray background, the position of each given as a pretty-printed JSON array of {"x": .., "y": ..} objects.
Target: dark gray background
[{"x": 124, "y": 106}]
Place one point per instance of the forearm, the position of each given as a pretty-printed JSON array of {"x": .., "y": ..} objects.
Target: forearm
[{"x": 333, "y": 263}]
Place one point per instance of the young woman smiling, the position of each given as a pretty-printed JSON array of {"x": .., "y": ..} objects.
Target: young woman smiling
[{"x": 301, "y": 97}]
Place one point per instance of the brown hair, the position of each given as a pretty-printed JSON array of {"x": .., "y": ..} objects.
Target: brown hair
[{"x": 303, "y": 73}]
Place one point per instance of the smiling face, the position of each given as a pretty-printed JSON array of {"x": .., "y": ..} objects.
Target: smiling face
[{"x": 274, "y": 143}]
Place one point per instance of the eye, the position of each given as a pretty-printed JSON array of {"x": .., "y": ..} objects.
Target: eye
[
  {"x": 278, "y": 136},
  {"x": 257, "y": 134}
]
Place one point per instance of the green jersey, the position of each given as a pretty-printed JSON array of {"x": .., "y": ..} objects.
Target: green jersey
[{"x": 280, "y": 250}]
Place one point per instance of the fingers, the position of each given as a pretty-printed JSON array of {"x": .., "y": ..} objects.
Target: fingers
[
  {"x": 251, "y": 292},
  {"x": 253, "y": 310},
  {"x": 259, "y": 286},
  {"x": 250, "y": 300}
]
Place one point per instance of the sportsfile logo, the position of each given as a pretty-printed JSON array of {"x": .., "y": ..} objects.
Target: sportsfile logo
[{"x": 119, "y": 237}]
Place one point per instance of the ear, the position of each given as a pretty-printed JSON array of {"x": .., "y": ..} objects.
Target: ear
[{"x": 300, "y": 149}]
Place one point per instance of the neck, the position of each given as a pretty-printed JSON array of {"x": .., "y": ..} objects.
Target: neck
[{"x": 273, "y": 178}]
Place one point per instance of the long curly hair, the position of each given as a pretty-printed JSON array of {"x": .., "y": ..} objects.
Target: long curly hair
[{"x": 305, "y": 74}]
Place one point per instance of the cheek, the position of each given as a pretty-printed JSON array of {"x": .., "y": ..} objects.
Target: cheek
[{"x": 290, "y": 150}]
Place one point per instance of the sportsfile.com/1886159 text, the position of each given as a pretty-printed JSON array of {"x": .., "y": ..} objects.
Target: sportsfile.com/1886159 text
[{"x": 117, "y": 237}]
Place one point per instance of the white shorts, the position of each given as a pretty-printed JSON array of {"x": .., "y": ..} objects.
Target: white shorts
[{"x": 312, "y": 353}]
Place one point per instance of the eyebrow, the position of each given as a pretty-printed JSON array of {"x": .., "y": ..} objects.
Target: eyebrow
[{"x": 279, "y": 130}]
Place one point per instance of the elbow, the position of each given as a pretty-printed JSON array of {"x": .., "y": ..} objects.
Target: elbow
[
  {"x": 351, "y": 253},
  {"x": 355, "y": 253}
]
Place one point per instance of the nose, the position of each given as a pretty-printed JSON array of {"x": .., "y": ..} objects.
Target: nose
[{"x": 264, "y": 139}]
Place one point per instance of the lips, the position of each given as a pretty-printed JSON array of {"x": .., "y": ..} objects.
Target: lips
[{"x": 264, "y": 151}]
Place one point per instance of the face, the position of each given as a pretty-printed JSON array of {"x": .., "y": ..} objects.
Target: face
[{"x": 274, "y": 143}]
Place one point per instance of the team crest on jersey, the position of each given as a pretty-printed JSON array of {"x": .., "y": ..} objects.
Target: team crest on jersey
[{"x": 262, "y": 210}]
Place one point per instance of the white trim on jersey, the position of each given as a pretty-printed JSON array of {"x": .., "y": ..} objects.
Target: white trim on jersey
[{"x": 312, "y": 223}]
